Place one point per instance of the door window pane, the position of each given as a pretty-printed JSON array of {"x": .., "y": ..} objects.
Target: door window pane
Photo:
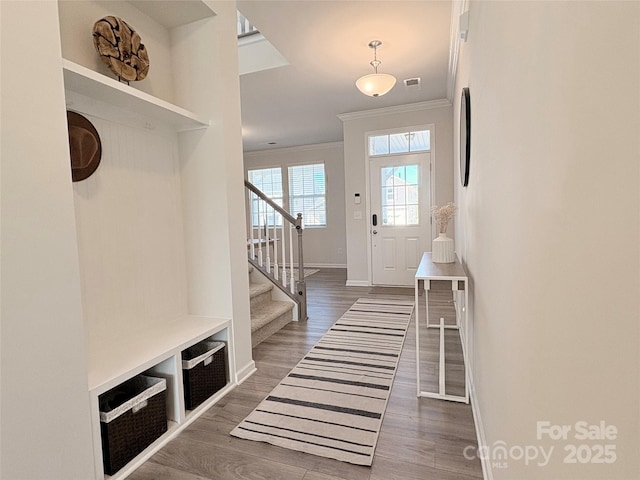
[
  {"x": 400, "y": 195},
  {"x": 412, "y": 174},
  {"x": 412, "y": 215}
]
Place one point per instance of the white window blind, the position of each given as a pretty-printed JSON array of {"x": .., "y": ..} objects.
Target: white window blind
[
  {"x": 269, "y": 182},
  {"x": 307, "y": 193}
]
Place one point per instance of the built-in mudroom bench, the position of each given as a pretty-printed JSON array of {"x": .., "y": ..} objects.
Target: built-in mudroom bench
[
  {"x": 155, "y": 353},
  {"x": 153, "y": 222}
]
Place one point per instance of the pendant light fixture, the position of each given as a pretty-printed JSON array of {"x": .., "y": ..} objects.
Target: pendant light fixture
[{"x": 375, "y": 84}]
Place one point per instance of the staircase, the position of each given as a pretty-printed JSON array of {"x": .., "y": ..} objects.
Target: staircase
[
  {"x": 267, "y": 315},
  {"x": 273, "y": 250}
]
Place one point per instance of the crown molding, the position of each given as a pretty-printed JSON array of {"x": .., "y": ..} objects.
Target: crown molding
[
  {"x": 410, "y": 107},
  {"x": 299, "y": 148},
  {"x": 457, "y": 9}
]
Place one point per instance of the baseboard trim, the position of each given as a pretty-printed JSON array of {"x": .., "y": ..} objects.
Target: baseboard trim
[
  {"x": 325, "y": 265},
  {"x": 321, "y": 265},
  {"x": 357, "y": 283},
  {"x": 487, "y": 473},
  {"x": 246, "y": 372}
]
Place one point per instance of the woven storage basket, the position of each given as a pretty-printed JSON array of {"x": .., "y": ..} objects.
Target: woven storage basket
[
  {"x": 204, "y": 371},
  {"x": 132, "y": 416}
]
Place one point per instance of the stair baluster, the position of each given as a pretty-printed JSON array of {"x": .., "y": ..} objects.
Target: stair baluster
[
  {"x": 275, "y": 244},
  {"x": 267, "y": 239},
  {"x": 284, "y": 258},
  {"x": 260, "y": 234},
  {"x": 252, "y": 245}
]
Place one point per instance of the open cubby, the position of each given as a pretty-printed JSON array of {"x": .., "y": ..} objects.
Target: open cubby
[{"x": 205, "y": 371}]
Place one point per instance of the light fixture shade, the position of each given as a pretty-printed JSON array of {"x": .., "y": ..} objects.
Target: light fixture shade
[{"x": 376, "y": 84}]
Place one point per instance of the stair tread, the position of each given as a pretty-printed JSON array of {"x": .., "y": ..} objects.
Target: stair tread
[
  {"x": 267, "y": 312},
  {"x": 256, "y": 289}
]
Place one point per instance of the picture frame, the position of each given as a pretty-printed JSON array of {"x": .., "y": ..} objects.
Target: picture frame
[{"x": 465, "y": 135}]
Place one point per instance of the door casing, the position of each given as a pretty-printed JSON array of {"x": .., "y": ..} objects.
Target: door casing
[{"x": 432, "y": 176}]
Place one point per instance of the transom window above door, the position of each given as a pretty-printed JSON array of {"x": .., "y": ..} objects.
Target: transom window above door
[{"x": 403, "y": 142}]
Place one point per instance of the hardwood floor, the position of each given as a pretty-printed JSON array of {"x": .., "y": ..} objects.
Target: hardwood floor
[{"x": 421, "y": 439}]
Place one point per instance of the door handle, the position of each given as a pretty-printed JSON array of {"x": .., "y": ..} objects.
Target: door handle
[
  {"x": 375, "y": 232},
  {"x": 374, "y": 219}
]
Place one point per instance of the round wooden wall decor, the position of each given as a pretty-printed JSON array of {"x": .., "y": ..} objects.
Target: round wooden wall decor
[{"x": 121, "y": 48}]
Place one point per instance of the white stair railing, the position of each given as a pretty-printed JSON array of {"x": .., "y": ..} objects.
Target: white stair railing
[{"x": 268, "y": 226}]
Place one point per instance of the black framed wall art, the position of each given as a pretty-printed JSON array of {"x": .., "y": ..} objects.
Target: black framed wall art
[{"x": 465, "y": 135}]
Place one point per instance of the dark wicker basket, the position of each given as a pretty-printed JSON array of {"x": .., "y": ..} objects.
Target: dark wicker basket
[
  {"x": 127, "y": 435},
  {"x": 206, "y": 377}
]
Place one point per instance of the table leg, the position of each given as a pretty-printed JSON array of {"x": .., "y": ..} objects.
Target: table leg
[
  {"x": 442, "y": 383},
  {"x": 417, "y": 310}
]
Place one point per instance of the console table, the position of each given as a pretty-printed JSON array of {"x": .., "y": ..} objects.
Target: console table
[{"x": 444, "y": 276}]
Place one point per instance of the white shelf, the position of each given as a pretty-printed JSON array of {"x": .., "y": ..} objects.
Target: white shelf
[
  {"x": 92, "y": 84},
  {"x": 136, "y": 351}
]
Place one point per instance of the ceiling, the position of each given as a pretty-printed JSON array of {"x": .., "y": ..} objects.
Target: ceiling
[{"x": 326, "y": 45}]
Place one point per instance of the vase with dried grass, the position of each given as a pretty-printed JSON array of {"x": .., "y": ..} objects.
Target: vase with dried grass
[{"x": 442, "y": 250}]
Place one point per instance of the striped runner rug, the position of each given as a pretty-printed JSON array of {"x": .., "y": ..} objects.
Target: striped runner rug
[{"x": 332, "y": 403}]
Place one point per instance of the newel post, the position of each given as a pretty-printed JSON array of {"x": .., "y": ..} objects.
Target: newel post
[{"x": 301, "y": 286}]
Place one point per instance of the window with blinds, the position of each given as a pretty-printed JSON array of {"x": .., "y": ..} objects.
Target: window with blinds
[
  {"x": 307, "y": 194},
  {"x": 269, "y": 182}
]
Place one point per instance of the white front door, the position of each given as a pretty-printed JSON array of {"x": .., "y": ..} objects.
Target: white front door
[{"x": 400, "y": 216}]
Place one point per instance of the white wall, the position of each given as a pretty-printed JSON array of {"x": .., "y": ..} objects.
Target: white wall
[
  {"x": 45, "y": 400},
  {"x": 129, "y": 229},
  {"x": 355, "y": 156},
  {"x": 549, "y": 225},
  {"x": 212, "y": 175},
  {"x": 323, "y": 246}
]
